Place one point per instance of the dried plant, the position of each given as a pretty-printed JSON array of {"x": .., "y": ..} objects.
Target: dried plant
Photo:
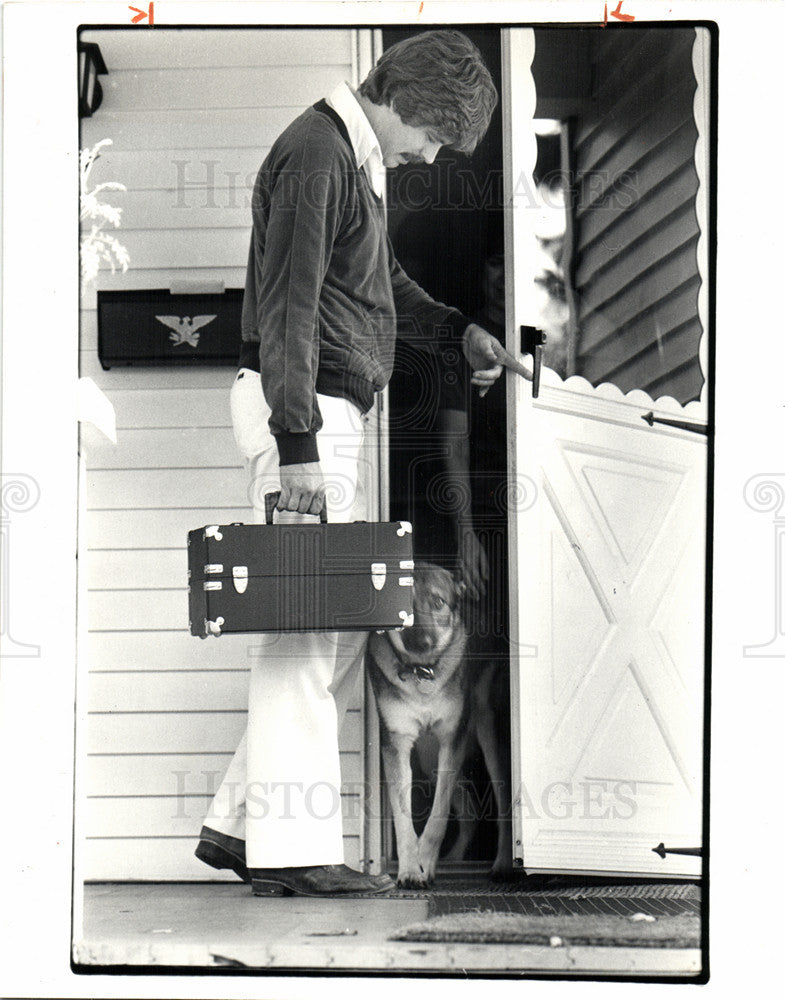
[{"x": 96, "y": 245}]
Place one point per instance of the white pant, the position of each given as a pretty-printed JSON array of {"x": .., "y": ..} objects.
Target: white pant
[{"x": 281, "y": 793}]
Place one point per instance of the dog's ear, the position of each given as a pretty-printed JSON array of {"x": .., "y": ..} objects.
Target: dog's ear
[{"x": 460, "y": 588}]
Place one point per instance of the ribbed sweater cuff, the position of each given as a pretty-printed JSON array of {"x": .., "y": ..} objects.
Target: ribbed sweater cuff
[{"x": 294, "y": 449}]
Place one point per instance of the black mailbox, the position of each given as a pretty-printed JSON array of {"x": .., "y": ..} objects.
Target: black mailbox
[{"x": 158, "y": 327}]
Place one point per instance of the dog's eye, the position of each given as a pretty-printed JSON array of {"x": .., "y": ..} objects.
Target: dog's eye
[{"x": 437, "y": 603}]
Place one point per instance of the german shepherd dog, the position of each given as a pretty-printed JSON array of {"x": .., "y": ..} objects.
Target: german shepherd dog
[{"x": 425, "y": 682}]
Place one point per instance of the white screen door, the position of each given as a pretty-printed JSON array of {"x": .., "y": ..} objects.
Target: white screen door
[{"x": 607, "y": 551}]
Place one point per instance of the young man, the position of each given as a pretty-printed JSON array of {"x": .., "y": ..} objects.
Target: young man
[{"x": 324, "y": 299}]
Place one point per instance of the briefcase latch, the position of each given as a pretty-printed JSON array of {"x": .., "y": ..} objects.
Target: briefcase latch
[
  {"x": 240, "y": 578},
  {"x": 378, "y": 575}
]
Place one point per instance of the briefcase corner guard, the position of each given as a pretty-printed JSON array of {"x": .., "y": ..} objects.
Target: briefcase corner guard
[{"x": 213, "y": 627}]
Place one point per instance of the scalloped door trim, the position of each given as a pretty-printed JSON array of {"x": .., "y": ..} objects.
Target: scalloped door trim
[{"x": 578, "y": 395}]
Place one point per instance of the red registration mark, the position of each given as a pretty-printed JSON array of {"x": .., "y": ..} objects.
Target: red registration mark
[{"x": 140, "y": 15}]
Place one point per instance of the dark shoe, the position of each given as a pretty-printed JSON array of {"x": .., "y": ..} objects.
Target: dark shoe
[
  {"x": 317, "y": 880},
  {"x": 221, "y": 851}
]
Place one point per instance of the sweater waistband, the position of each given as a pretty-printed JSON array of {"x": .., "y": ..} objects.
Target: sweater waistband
[{"x": 356, "y": 389}]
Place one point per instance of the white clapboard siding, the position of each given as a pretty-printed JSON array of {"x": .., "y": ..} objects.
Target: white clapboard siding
[
  {"x": 154, "y": 529},
  {"x": 179, "y": 88},
  {"x": 170, "y": 407},
  {"x": 160, "y": 247},
  {"x": 174, "y": 774},
  {"x": 132, "y": 569},
  {"x": 175, "y": 649},
  {"x": 162, "y": 447},
  {"x": 163, "y": 859},
  {"x": 137, "y": 610},
  {"x": 171, "y": 816},
  {"x": 209, "y": 486},
  {"x": 298, "y": 49},
  {"x": 154, "y": 774},
  {"x": 176, "y": 732},
  {"x": 200, "y": 178},
  {"x": 174, "y": 130},
  {"x": 185, "y": 208},
  {"x": 154, "y": 691},
  {"x": 191, "y": 115}
]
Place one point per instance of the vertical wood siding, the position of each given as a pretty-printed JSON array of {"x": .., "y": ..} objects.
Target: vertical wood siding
[
  {"x": 191, "y": 114},
  {"x": 636, "y": 230}
]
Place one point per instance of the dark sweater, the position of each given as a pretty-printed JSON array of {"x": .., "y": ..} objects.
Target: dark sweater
[{"x": 324, "y": 294}]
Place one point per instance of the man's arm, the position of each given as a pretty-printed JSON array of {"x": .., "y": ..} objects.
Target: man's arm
[
  {"x": 418, "y": 316},
  {"x": 302, "y": 222}
]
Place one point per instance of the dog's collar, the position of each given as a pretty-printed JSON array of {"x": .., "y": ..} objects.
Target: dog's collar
[{"x": 421, "y": 671}]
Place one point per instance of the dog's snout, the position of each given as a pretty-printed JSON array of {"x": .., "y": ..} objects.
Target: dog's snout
[{"x": 416, "y": 639}]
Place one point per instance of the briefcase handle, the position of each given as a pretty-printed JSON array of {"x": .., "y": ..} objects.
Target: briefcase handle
[{"x": 270, "y": 501}]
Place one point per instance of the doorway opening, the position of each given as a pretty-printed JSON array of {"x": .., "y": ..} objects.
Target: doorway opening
[{"x": 446, "y": 225}]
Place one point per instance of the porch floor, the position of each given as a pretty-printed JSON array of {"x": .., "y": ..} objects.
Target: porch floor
[{"x": 223, "y": 926}]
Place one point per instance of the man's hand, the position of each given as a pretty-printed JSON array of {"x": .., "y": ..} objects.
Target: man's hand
[
  {"x": 487, "y": 357},
  {"x": 302, "y": 488}
]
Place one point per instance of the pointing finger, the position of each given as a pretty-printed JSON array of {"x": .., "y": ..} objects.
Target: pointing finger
[{"x": 510, "y": 362}]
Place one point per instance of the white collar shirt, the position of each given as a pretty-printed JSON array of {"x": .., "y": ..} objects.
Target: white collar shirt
[{"x": 367, "y": 150}]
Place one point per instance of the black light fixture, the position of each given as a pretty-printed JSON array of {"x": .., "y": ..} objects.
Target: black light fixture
[{"x": 91, "y": 63}]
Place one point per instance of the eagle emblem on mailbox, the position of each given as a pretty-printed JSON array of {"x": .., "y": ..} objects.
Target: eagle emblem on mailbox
[{"x": 185, "y": 329}]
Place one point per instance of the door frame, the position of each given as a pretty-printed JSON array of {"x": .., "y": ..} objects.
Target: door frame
[{"x": 516, "y": 105}]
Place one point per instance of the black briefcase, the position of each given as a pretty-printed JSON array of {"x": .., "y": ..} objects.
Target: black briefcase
[{"x": 300, "y": 577}]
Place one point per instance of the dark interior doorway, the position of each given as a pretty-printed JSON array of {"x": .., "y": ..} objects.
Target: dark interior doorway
[{"x": 446, "y": 225}]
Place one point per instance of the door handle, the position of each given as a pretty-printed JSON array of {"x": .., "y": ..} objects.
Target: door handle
[{"x": 532, "y": 342}]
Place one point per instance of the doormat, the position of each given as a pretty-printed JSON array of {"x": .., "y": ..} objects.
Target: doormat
[
  {"x": 639, "y": 930},
  {"x": 620, "y": 900}
]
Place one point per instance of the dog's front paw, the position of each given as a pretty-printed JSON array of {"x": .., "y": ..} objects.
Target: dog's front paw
[
  {"x": 501, "y": 872},
  {"x": 502, "y": 869},
  {"x": 429, "y": 857},
  {"x": 411, "y": 878}
]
